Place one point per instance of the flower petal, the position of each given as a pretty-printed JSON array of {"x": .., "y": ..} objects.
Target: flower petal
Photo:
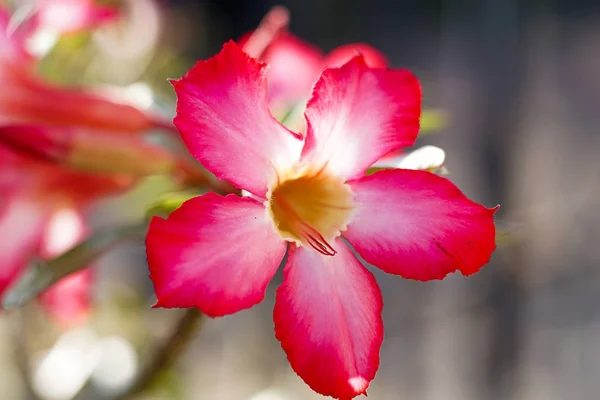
[
  {"x": 358, "y": 114},
  {"x": 68, "y": 301},
  {"x": 12, "y": 40},
  {"x": 419, "y": 225},
  {"x": 215, "y": 253},
  {"x": 65, "y": 16},
  {"x": 328, "y": 319},
  {"x": 21, "y": 228},
  {"x": 224, "y": 120},
  {"x": 27, "y": 99},
  {"x": 294, "y": 67},
  {"x": 341, "y": 55}
]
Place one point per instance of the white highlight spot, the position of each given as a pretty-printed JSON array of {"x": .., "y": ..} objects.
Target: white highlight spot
[
  {"x": 65, "y": 229},
  {"x": 269, "y": 394},
  {"x": 138, "y": 94},
  {"x": 63, "y": 370},
  {"x": 41, "y": 42},
  {"x": 118, "y": 364},
  {"x": 358, "y": 383},
  {"x": 426, "y": 158}
]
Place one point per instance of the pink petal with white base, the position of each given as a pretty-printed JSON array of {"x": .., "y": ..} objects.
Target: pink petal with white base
[
  {"x": 358, "y": 114},
  {"x": 328, "y": 319},
  {"x": 420, "y": 226},
  {"x": 214, "y": 253},
  {"x": 224, "y": 120}
]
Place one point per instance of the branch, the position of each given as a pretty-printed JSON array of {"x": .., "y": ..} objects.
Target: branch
[{"x": 167, "y": 354}]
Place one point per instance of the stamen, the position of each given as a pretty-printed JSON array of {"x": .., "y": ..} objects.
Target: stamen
[{"x": 316, "y": 240}]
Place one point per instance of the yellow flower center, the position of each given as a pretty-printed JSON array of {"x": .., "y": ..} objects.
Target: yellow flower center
[{"x": 310, "y": 207}]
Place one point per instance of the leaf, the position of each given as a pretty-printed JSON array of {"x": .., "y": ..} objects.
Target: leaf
[
  {"x": 433, "y": 120},
  {"x": 169, "y": 203}
]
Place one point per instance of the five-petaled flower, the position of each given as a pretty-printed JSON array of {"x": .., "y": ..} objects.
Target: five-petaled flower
[{"x": 309, "y": 191}]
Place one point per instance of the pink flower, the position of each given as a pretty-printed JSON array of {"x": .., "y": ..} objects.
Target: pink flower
[
  {"x": 27, "y": 98},
  {"x": 49, "y": 136},
  {"x": 41, "y": 215},
  {"x": 219, "y": 253}
]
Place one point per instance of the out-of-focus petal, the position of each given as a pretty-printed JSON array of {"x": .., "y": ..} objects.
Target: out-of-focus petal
[
  {"x": 13, "y": 174},
  {"x": 328, "y": 319},
  {"x": 419, "y": 225},
  {"x": 214, "y": 253},
  {"x": 12, "y": 41},
  {"x": 273, "y": 24},
  {"x": 21, "y": 227},
  {"x": 85, "y": 150},
  {"x": 69, "y": 300},
  {"x": 27, "y": 99},
  {"x": 294, "y": 67},
  {"x": 358, "y": 114},
  {"x": 341, "y": 55},
  {"x": 35, "y": 141},
  {"x": 225, "y": 122},
  {"x": 64, "y": 16}
]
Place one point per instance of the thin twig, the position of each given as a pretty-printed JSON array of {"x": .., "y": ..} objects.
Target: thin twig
[
  {"x": 167, "y": 354},
  {"x": 44, "y": 273}
]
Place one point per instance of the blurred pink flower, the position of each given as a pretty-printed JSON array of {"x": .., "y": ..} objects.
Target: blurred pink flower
[
  {"x": 27, "y": 98},
  {"x": 294, "y": 65},
  {"x": 41, "y": 216},
  {"x": 65, "y": 16},
  {"x": 308, "y": 191},
  {"x": 43, "y": 129}
]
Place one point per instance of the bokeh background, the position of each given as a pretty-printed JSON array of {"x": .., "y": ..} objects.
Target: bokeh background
[{"x": 519, "y": 82}]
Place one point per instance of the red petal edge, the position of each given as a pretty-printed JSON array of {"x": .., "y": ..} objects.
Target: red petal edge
[{"x": 419, "y": 225}]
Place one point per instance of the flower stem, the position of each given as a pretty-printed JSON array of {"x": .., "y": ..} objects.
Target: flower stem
[
  {"x": 166, "y": 355},
  {"x": 44, "y": 274}
]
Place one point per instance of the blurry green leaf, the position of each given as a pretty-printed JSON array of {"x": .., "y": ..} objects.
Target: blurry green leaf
[
  {"x": 43, "y": 274},
  {"x": 433, "y": 120},
  {"x": 169, "y": 203},
  {"x": 508, "y": 232}
]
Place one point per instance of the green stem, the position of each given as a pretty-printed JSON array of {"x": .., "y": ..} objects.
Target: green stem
[
  {"x": 43, "y": 274},
  {"x": 166, "y": 355}
]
